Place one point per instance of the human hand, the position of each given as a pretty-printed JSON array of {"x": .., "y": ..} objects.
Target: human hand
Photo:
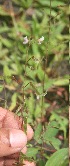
[{"x": 12, "y": 138}]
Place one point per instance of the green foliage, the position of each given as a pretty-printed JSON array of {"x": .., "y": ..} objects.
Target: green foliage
[
  {"x": 35, "y": 77},
  {"x": 59, "y": 157},
  {"x": 49, "y": 135},
  {"x": 32, "y": 152},
  {"x": 37, "y": 134},
  {"x": 62, "y": 121}
]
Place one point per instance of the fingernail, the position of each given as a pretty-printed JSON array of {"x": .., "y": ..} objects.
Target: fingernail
[
  {"x": 30, "y": 132},
  {"x": 24, "y": 150},
  {"x": 18, "y": 138}
]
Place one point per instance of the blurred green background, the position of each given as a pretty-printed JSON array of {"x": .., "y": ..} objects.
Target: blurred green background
[{"x": 34, "y": 78}]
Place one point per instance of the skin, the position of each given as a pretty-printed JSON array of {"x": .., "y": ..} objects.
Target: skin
[{"x": 12, "y": 138}]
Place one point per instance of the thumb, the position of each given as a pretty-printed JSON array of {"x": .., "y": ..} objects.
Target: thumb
[{"x": 11, "y": 141}]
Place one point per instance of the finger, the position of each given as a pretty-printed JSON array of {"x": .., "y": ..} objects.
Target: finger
[
  {"x": 10, "y": 162},
  {"x": 7, "y": 162},
  {"x": 30, "y": 132},
  {"x": 28, "y": 163},
  {"x": 24, "y": 150},
  {"x": 16, "y": 155},
  {"x": 1, "y": 162},
  {"x": 11, "y": 141},
  {"x": 13, "y": 156},
  {"x": 9, "y": 119},
  {"x": 13, "y": 162}
]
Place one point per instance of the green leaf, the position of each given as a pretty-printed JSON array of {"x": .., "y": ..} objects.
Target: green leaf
[
  {"x": 7, "y": 73},
  {"x": 40, "y": 73},
  {"x": 35, "y": 50},
  {"x": 53, "y": 124},
  {"x": 13, "y": 101},
  {"x": 1, "y": 88},
  {"x": 41, "y": 162},
  {"x": 3, "y": 53},
  {"x": 53, "y": 4},
  {"x": 50, "y": 133},
  {"x": 30, "y": 73},
  {"x": 38, "y": 111},
  {"x": 30, "y": 104},
  {"x": 58, "y": 158},
  {"x": 31, "y": 152},
  {"x": 4, "y": 29},
  {"x": 62, "y": 81},
  {"x": 48, "y": 83},
  {"x": 63, "y": 122},
  {"x": 38, "y": 132},
  {"x": 56, "y": 143},
  {"x": 6, "y": 42}
]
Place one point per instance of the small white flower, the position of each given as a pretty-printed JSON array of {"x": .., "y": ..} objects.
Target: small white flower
[
  {"x": 38, "y": 97},
  {"x": 41, "y": 40},
  {"x": 25, "y": 40}
]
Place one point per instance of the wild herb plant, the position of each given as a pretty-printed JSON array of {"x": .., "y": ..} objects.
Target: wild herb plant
[{"x": 34, "y": 71}]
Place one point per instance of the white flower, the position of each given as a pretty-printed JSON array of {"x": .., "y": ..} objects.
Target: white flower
[
  {"x": 25, "y": 40},
  {"x": 41, "y": 40}
]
